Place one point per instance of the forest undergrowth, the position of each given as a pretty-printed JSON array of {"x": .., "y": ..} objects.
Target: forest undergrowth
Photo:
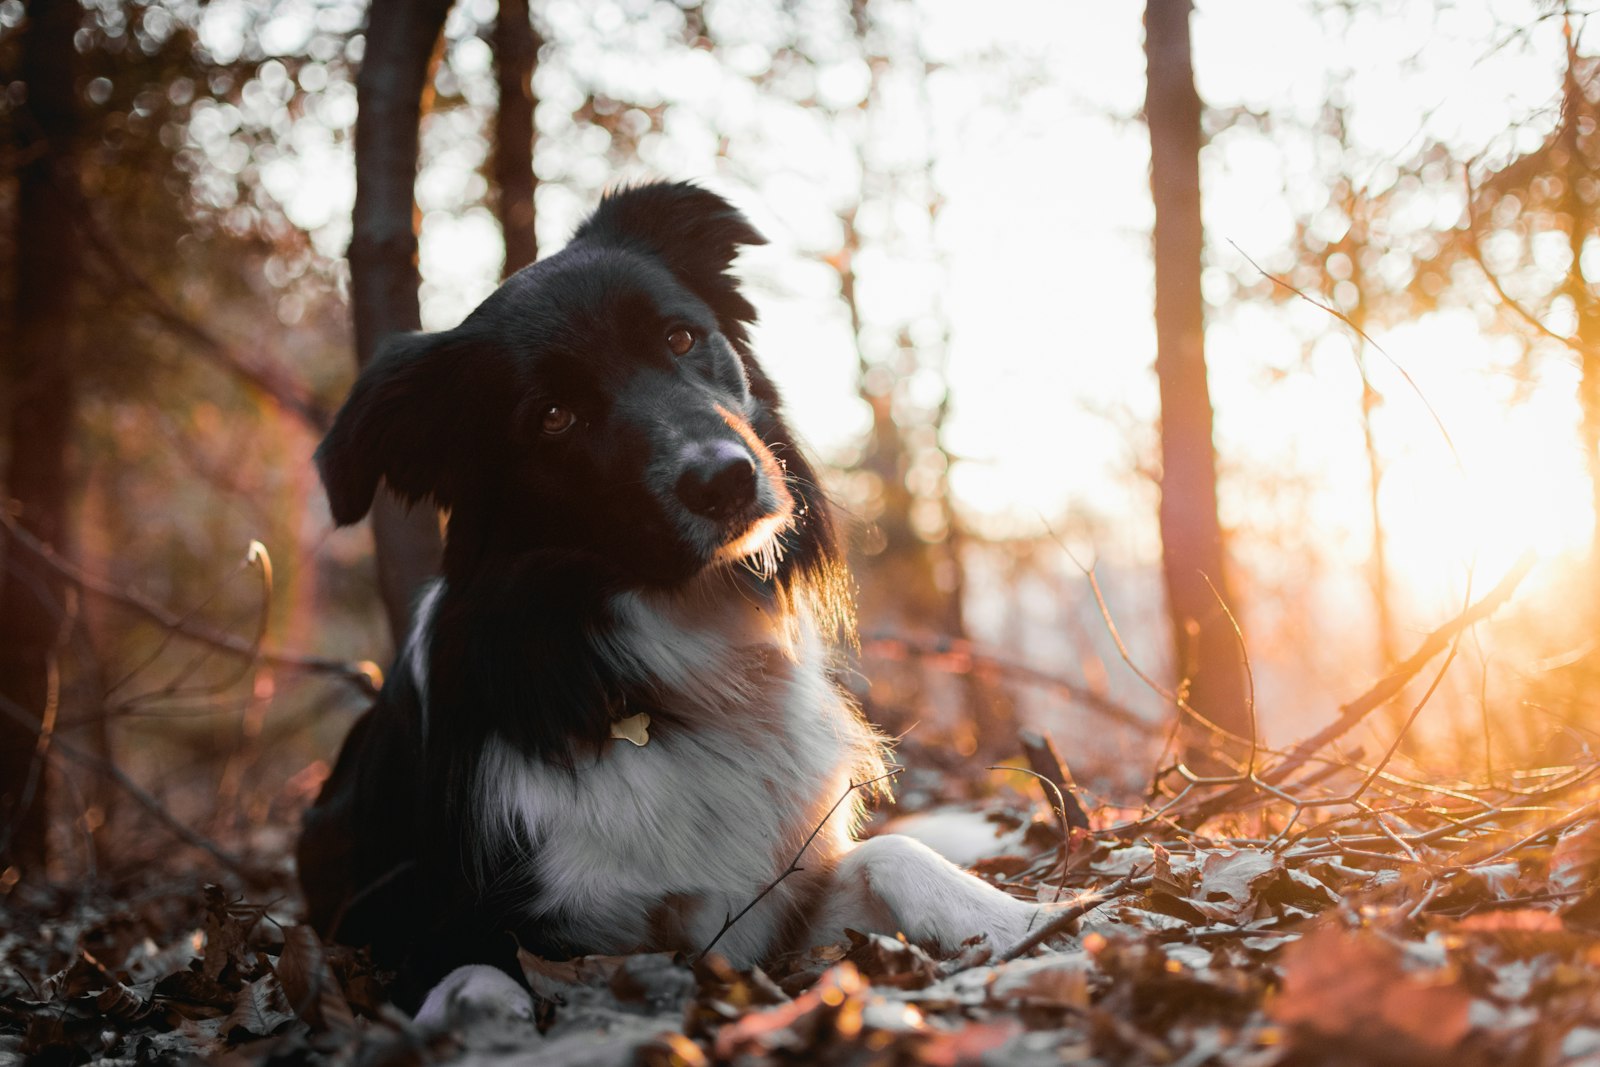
[{"x": 1302, "y": 905}]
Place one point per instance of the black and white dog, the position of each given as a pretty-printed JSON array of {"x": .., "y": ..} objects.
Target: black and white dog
[{"x": 615, "y": 721}]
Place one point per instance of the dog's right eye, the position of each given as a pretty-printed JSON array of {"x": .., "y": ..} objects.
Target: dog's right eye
[
  {"x": 556, "y": 421},
  {"x": 680, "y": 340}
]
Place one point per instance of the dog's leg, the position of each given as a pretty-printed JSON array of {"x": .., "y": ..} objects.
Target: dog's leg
[
  {"x": 476, "y": 991},
  {"x": 894, "y": 884}
]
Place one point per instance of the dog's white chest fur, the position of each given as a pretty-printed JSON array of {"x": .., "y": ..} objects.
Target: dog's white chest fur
[{"x": 654, "y": 847}]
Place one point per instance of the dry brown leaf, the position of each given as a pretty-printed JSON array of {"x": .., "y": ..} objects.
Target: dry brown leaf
[
  {"x": 968, "y": 1044},
  {"x": 1339, "y": 984},
  {"x": 555, "y": 979},
  {"x": 309, "y": 983},
  {"x": 1002, "y": 866},
  {"x": 1525, "y": 920},
  {"x": 891, "y": 962},
  {"x": 259, "y": 1009},
  {"x": 1575, "y": 858},
  {"x": 1056, "y": 980},
  {"x": 1236, "y": 874},
  {"x": 832, "y": 1007}
]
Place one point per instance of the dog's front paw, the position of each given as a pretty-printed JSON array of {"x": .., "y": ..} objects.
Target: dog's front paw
[{"x": 472, "y": 993}]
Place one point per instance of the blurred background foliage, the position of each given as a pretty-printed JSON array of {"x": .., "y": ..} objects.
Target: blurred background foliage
[{"x": 957, "y": 300}]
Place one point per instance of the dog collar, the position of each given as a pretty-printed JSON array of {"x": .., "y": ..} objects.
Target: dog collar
[{"x": 635, "y": 729}]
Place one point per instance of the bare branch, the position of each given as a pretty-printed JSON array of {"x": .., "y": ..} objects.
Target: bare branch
[
  {"x": 363, "y": 675},
  {"x": 145, "y": 800},
  {"x": 257, "y": 371},
  {"x": 1379, "y": 694},
  {"x": 1062, "y": 922},
  {"x": 1475, "y": 250},
  {"x": 888, "y": 644}
]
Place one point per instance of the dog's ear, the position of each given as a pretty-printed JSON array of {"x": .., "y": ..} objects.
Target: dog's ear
[
  {"x": 692, "y": 231},
  {"x": 392, "y": 427}
]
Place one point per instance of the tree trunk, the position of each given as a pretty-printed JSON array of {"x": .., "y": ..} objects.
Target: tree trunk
[
  {"x": 1206, "y": 651},
  {"x": 400, "y": 38},
  {"x": 1378, "y": 563},
  {"x": 516, "y": 56},
  {"x": 42, "y": 384},
  {"x": 1575, "y": 108}
]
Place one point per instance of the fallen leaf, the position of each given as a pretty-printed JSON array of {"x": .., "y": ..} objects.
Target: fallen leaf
[
  {"x": 1236, "y": 874},
  {"x": 259, "y": 1010},
  {"x": 831, "y": 1008},
  {"x": 892, "y": 962},
  {"x": 1058, "y": 980},
  {"x": 309, "y": 984},
  {"x": 227, "y": 937},
  {"x": 1353, "y": 985},
  {"x": 1575, "y": 857}
]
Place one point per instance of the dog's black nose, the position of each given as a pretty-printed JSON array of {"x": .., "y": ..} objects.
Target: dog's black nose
[{"x": 720, "y": 481}]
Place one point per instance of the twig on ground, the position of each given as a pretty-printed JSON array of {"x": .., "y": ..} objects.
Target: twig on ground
[
  {"x": 145, "y": 800},
  {"x": 1061, "y": 923},
  {"x": 1061, "y": 817},
  {"x": 1042, "y": 756},
  {"x": 1249, "y": 676},
  {"x": 1380, "y": 693}
]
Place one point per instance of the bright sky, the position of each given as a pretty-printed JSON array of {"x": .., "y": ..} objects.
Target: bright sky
[{"x": 1039, "y": 261}]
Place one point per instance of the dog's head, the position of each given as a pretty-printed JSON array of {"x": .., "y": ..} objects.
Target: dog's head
[{"x": 601, "y": 405}]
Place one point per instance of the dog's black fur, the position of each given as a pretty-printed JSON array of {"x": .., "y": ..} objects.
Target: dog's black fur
[{"x": 543, "y": 530}]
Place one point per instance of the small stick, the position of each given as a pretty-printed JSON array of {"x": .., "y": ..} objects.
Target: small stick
[
  {"x": 1062, "y": 923},
  {"x": 1046, "y": 761},
  {"x": 1249, "y": 676},
  {"x": 1061, "y": 816},
  {"x": 794, "y": 864},
  {"x": 146, "y": 800},
  {"x": 1379, "y": 694}
]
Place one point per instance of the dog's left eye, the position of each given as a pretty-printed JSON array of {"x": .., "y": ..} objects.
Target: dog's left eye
[
  {"x": 680, "y": 341},
  {"x": 556, "y": 420}
]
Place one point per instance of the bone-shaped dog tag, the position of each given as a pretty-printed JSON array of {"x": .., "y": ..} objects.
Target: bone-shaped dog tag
[{"x": 635, "y": 728}]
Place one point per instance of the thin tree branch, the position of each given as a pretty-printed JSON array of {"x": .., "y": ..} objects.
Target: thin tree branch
[
  {"x": 1380, "y": 693},
  {"x": 888, "y": 644},
  {"x": 145, "y": 800},
  {"x": 363, "y": 675},
  {"x": 1365, "y": 336},
  {"x": 1062, "y": 922},
  {"x": 258, "y": 372},
  {"x": 1475, "y": 250}
]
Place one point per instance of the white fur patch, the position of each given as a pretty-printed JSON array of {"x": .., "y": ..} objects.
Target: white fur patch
[
  {"x": 893, "y": 884},
  {"x": 654, "y": 847},
  {"x": 415, "y": 653},
  {"x": 473, "y": 992}
]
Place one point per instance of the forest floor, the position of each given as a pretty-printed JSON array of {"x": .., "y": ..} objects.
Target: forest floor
[
  {"x": 1309, "y": 908},
  {"x": 1453, "y": 924}
]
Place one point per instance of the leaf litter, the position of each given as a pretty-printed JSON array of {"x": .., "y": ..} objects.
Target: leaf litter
[
  {"x": 1341, "y": 946},
  {"x": 1305, "y": 909}
]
